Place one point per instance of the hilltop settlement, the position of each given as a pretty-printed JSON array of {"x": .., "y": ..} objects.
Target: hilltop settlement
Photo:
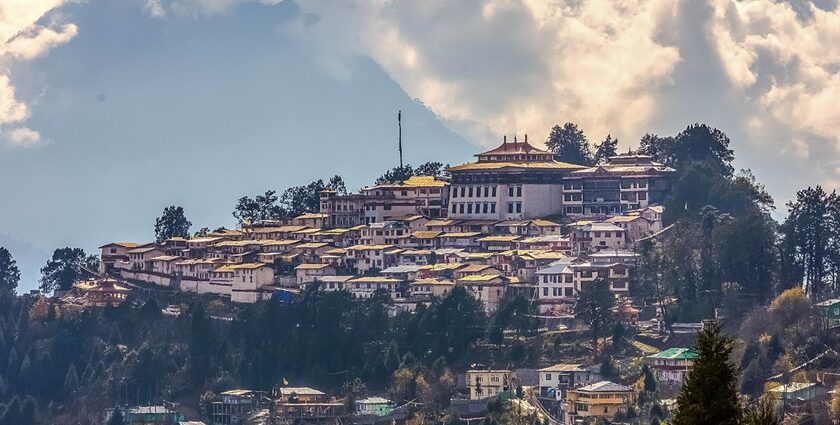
[{"x": 529, "y": 286}]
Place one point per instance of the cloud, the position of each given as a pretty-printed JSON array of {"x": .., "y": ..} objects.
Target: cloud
[
  {"x": 785, "y": 63},
  {"x": 504, "y": 66},
  {"x": 24, "y": 36},
  {"x": 154, "y": 8}
]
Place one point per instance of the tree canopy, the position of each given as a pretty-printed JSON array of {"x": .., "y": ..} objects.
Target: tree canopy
[
  {"x": 435, "y": 169},
  {"x": 607, "y": 149},
  {"x": 66, "y": 267},
  {"x": 594, "y": 306},
  {"x": 9, "y": 273},
  {"x": 569, "y": 144},
  {"x": 709, "y": 395},
  {"x": 172, "y": 223}
]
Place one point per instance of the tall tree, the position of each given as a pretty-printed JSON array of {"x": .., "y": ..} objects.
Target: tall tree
[
  {"x": 607, "y": 149},
  {"x": 434, "y": 169},
  {"x": 396, "y": 174},
  {"x": 172, "y": 223},
  {"x": 9, "y": 273},
  {"x": 657, "y": 147},
  {"x": 709, "y": 395},
  {"x": 569, "y": 144},
  {"x": 807, "y": 237},
  {"x": 701, "y": 143},
  {"x": 594, "y": 306},
  {"x": 336, "y": 183},
  {"x": 262, "y": 207},
  {"x": 66, "y": 267}
]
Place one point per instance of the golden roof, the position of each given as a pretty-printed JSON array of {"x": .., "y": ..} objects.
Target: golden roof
[
  {"x": 375, "y": 279},
  {"x": 501, "y": 238},
  {"x": 248, "y": 266},
  {"x": 482, "y": 277},
  {"x": 311, "y": 266},
  {"x": 442, "y": 266},
  {"x": 368, "y": 247},
  {"x": 433, "y": 281},
  {"x": 474, "y": 268},
  {"x": 460, "y": 234},
  {"x": 426, "y": 234},
  {"x": 312, "y": 245}
]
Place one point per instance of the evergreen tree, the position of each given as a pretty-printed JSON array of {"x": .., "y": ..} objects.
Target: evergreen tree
[
  {"x": 607, "y": 149},
  {"x": 172, "y": 223},
  {"x": 709, "y": 395},
  {"x": 66, "y": 267},
  {"x": 594, "y": 306},
  {"x": 71, "y": 379},
  {"x": 569, "y": 144},
  {"x": 649, "y": 379},
  {"x": 763, "y": 412},
  {"x": 9, "y": 273},
  {"x": 117, "y": 418}
]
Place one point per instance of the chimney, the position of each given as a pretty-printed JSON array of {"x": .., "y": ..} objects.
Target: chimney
[
  {"x": 526, "y": 137},
  {"x": 514, "y": 139},
  {"x": 504, "y": 140}
]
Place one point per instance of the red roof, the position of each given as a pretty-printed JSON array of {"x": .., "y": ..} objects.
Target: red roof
[{"x": 515, "y": 147}]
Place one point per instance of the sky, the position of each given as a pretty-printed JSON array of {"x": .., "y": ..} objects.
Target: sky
[{"x": 112, "y": 110}]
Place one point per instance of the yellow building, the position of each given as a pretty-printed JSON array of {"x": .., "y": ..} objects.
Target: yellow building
[
  {"x": 488, "y": 383},
  {"x": 603, "y": 399}
]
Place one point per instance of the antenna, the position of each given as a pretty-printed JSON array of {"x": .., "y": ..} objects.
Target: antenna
[{"x": 399, "y": 126}]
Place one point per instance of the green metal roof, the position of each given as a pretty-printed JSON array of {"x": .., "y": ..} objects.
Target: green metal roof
[{"x": 675, "y": 353}]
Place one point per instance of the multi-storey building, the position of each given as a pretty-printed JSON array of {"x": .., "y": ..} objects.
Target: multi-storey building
[
  {"x": 626, "y": 182},
  {"x": 557, "y": 379},
  {"x": 425, "y": 196},
  {"x": 488, "y": 383},
  {"x": 672, "y": 365},
  {"x": 514, "y": 181},
  {"x": 518, "y": 181},
  {"x": 599, "y": 401}
]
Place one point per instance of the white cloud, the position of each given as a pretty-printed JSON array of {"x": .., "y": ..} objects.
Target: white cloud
[
  {"x": 23, "y": 137},
  {"x": 787, "y": 66},
  {"x": 23, "y": 36},
  {"x": 502, "y": 66},
  {"x": 155, "y": 9}
]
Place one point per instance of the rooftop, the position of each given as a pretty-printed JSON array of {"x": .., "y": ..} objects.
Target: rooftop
[
  {"x": 675, "y": 353},
  {"x": 605, "y": 387}
]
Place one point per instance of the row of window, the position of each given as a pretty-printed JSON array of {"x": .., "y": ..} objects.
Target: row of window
[
  {"x": 478, "y": 207},
  {"x": 558, "y": 292},
  {"x": 484, "y": 191}
]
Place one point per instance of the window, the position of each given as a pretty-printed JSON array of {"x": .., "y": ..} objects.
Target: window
[
  {"x": 510, "y": 207},
  {"x": 519, "y": 207},
  {"x": 486, "y": 191},
  {"x": 545, "y": 292},
  {"x": 519, "y": 191},
  {"x": 494, "y": 191},
  {"x": 463, "y": 191},
  {"x": 470, "y": 192},
  {"x": 469, "y": 208},
  {"x": 455, "y": 192},
  {"x": 493, "y": 208},
  {"x": 453, "y": 208},
  {"x": 510, "y": 191},
  {"x": 547, "y": 376},
  {"x": 460, "y": 208},
  {"x": 484, "y": 208},
  {"x": 642, "y": 196}
]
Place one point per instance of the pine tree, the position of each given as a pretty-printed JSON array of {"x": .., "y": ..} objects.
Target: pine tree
[
  {"x": 710, "y": 393},
  {"x": 117, "y": 418},
  {"x": 71, "y": 379}
]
